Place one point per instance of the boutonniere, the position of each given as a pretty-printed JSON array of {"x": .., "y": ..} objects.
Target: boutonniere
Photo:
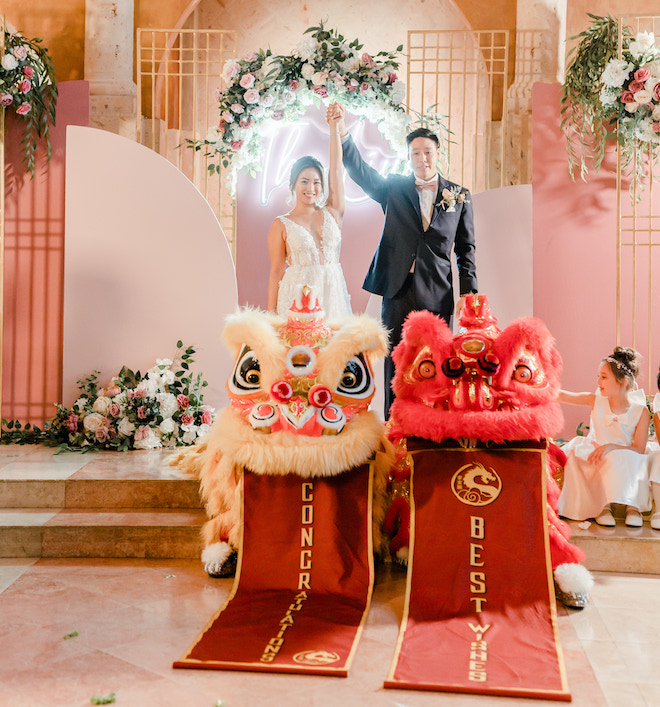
[{"x": 451, "y": 197}]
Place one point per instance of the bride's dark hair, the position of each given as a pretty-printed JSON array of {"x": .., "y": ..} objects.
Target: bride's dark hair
[
  {"x": 301, "y": 164},
  {"x": 624, "y": 364}
]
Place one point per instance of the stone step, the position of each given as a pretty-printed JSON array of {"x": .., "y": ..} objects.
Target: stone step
[
  {"x": 99, "y": 493},
  {"x": 108, "y": 532}
]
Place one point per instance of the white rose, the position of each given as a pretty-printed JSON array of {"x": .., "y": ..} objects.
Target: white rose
[
  {"x": 168, "y": 404},
  {"x": 101, "y": 405},
  {"x": 656, "y": 113},
  {"x": 125, "y": 427},
  {"x": 9, "y": 62},
  {"x": 167, "y": 426},
  {"x": 214, "y": 135},
  {"x": 289, "y": 97},
  {"x": 632, "y": 107},
  {"x": 93, "y": 421},
  {"x": 350, "y": 64},
  {"x": 203, "y": 430},
  {"x": 319, "y": 78},
  {"x": 189, "y": 436},
  {"x": 307, "y": 71},
  {"x": 643, "y": 97}
]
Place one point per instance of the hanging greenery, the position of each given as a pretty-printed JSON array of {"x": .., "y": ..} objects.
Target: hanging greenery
[
  {"x": 27, "y": 87},
  {"x": 612, "y": 91}
]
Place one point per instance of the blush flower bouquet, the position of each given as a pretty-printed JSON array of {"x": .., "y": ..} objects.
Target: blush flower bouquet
[
  {"x": 163, "y": 408},
  {"x": 27, "y": 88},
  {"x": 452, "y": 196},
  {"x": 609, "y": 94},
  {"x": 323, "y": 67}
]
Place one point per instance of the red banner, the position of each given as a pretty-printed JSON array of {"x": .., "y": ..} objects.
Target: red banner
[
  {"x": 304, "y": 580},
  {"x": 480, "y": 614}
]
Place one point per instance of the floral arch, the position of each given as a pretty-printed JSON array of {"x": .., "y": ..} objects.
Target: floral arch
[{"x": 324, "y": 67}]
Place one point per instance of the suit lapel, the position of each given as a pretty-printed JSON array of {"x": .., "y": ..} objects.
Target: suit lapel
[{"x": 411, "y": 192}]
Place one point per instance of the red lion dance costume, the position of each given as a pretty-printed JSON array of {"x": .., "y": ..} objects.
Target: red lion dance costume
[{"x": 483, "y": 384}]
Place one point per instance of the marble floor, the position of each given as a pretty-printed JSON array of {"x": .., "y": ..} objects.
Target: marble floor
[{"x": 134, "y": 617}]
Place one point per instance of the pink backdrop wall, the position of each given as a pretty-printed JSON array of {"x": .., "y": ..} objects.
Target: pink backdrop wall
[
  {"x": 34, "y": 265},
  {"x": 575, "y": 232}
]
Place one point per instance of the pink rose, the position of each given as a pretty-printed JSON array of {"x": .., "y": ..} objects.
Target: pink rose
[
  {"x": 656, "y": 127},
  {"x": 237, "y": 108},
  {"x": 267, "y": 100},
  {"x": 6, "y": 99},
  {"x": 183, "y": 401},
  {"x": 236, "y": 145},
  {"x": 72, "y": 422},
  {"x": 294, "y": 85},
  {"x": 207, "y": 418},
  {"x": 227, "y": 116},
  {"x": 635, "y": 86},
  {"x": 656, "y": 92},
  {"x": 247, "y": 81},
  {"x": 20, "y": 52},
  {"x": 246, "y": 122},
  {"x": 257, "y": 112},
  {"x": 642, "y": 75},
  {"x": 187, "y": 419},
  {"x": 142, "y": 432},
  {"x": 142, "y": 412},
  {"x": 392, "y": 77},
  {"x": 140, "y": 393},
  {"x": 24, "y": 86},
  {"x": 24, "y": 108},
  {"x": 252, "y": 96},
  {"x": 102, "y": 434},
  {"x": 364, "y": 87},
  {"x": 250, "y": 56},
  {"x": 115, "y": 410},
  {"x": 321, "y": 91},
  {"x": 277, "y": 115},
  {"x": 367, "y": 60},
  {"x": 627, "y": 97},
  {"x": 28, "y": 71}
]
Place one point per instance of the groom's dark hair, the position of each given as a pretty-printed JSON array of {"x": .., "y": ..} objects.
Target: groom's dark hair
[{"x": 422, "y": 132}]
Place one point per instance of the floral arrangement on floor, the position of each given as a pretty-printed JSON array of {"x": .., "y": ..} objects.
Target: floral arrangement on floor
[
  {"x": 163, "y": 408},
  {"x": 27, "y": 86},
  {"x": 323, "y": 67},
  {"x": 602, "y": 88}
]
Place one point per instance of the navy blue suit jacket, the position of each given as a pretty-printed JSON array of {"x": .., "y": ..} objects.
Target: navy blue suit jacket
[{"x": 404, "y": 240}]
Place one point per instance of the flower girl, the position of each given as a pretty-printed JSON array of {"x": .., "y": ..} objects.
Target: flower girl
[
  {"x": 654, "y": 464},
  {"x": 609, "y": 465}
]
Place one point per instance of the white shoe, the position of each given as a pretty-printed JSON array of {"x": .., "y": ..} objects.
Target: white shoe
[
  {"x": 655, "y": 521},
  {"x": 633, "y": 517},
  {"x": 606, "y": 518}
]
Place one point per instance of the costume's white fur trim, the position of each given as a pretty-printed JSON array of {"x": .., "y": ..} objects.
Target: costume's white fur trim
[
  {"x": 214, "y": 556},
  {"x": 574, "y": 579},
  {"x": 281, "y": 453}
]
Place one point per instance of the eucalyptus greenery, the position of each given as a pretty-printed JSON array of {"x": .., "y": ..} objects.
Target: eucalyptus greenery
[{"x": 581, "y": 109}]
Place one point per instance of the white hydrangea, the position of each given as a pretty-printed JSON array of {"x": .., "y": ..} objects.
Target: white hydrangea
[
  {"x": 150, "y": 441},
  {"x": 643, "y": 44},
  {"x": 306, "y": 48},
  {"x": 608, "y": 97},
  {"x": 616, "y": 72},
  {"x": 150, "y": 385},
  {"x": 350, "y": 64},
  {"x": 398, "y": 92},
  {"x": 80, "y": 403},
  {"x": 644, "y": 130},
  {"x": 168, "y": 404}
]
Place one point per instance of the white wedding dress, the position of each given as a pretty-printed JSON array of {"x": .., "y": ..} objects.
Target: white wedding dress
[
  {"x": 620, "y": 477},
  {"x": 307, "y": 265}
]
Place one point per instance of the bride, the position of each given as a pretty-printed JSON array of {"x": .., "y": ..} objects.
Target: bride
[{"x": 304, "y": 244}]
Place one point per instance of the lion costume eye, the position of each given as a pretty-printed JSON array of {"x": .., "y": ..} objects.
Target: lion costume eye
[
  {"x": 246, "y": 377},
  {"x": 522, "y": 373},
  {"x": 426, "y": 368},
  {"x": 356, "y": 380}
]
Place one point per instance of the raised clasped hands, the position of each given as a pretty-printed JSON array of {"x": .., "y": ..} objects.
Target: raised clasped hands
[{"x": 335, "y": 118}]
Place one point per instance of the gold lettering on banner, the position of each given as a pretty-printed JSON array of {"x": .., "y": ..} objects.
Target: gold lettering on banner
[
  {"x": 275, "y": 644},
  {"x": 478, "y": 654}
]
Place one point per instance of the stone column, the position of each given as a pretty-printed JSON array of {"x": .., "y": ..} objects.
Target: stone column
[
  {"x": 109, "y": 30},
  {"x": 540, "y": 57}
]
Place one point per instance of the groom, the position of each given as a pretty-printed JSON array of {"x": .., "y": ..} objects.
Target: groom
[{"x": 425, "y": 216}]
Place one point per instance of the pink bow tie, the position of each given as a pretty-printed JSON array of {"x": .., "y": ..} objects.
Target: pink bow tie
[{"x": 426, "y": 185}]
